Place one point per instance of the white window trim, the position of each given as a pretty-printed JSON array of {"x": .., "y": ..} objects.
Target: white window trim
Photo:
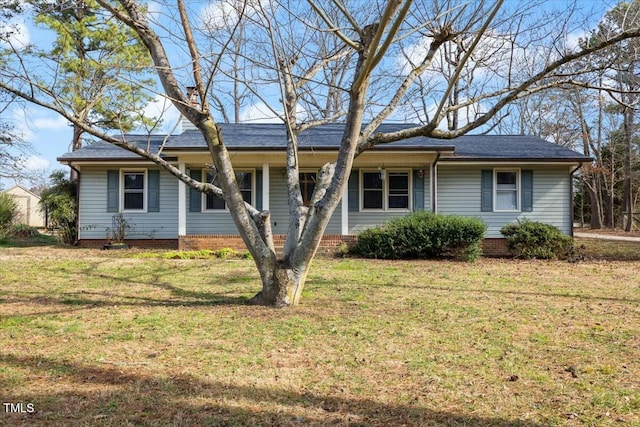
[
  {"x": 145, "y": 190},
  {"x": 203, "y": 202},
  {"x": 518, "y": 189},
  {"x": 385, "y": 191}
]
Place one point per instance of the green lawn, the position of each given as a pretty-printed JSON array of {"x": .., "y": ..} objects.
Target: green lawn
[{"x": 105, "y": 338}]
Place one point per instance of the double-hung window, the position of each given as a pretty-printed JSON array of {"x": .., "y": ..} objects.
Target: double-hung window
[
  {"x": 398, "y": 197},
  {"x": 386, "y": 190},
  {"x": 507, "y": 190},
  {"x": 372, "y": 190},
  {"x": 245, "y": 182},
  {"x": 133, "y": 190}
]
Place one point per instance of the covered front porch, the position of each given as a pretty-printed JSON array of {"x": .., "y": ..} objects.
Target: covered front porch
[{"x": 265, "y": 172}]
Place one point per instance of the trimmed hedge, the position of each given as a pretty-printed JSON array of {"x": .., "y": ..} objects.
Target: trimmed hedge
[
  {"x": 423, "y": 235},
  {"x": 531, "y": 239}
]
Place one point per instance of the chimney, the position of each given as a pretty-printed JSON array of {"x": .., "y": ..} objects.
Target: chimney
[{"x": 192, "y": 94}]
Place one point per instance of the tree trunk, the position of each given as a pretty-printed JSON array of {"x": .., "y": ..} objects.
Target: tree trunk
[
  {"x": 76, "y": 144},
  {"x": 595, "y": 222},
  {"x": 627, "y": 203},
  {"x": 283, "y": 287}
]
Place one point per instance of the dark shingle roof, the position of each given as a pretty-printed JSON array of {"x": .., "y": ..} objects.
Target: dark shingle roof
[
  {"x": 272, "y": 137},
  {"x": 510, "y": 147},
  {"x": 100, "y": 150}
]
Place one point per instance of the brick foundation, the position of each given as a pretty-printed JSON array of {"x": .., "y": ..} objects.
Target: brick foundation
[
  {"x": 329, "y": 244},
  {"x": 134, "y": 243},
  {"x": 495, "y": 247}
]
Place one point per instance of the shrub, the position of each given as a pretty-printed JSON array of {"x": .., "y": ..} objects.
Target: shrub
[
  {"x": 531, "y": 239},
  {"x": 204, "y": 254},
  {"x": 342, "y": 250},
  {"x": 226, "y": 253},
  {"x": 59, "y": 202},
  {"x": 23, "y": 231},
  {"x": 423, "y": 235},
  {"x": 8, "y": 210}
]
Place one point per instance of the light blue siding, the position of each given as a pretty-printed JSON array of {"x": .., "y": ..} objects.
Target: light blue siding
[
  {"x": 361, "y": 220},
  {"x": 210, "y": 222},
  {"x": 459, "y": 192},
  {"x": 95, "y": 222}
]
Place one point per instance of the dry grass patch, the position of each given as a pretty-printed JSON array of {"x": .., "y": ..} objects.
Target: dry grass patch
[{"x": 101, "y": 338}]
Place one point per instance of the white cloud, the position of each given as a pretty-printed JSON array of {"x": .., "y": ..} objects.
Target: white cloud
[
  {"x": 219, "y": 14},
  {"x": 51, "y": 124},
  {"x": 37, "y": 163},
  {"x": 162, "y": 108},
  {"x": 573, "y": 40},
  {"x": 29, "y": 121},
  {"x": 259, "y": 113},
  {"x": 14, "y": 33}
]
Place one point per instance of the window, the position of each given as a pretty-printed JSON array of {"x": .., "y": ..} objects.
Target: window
[
  {"x": 245, "y": 182},
  {"x": 372, "y": 190},
  {"x": 384, "y": 190},
  {"x": 506, "y": 191},
  {"x": 133, "y": 190},
  {"x": 307, "y": 185},
  {"x": 398, "y": 190}
]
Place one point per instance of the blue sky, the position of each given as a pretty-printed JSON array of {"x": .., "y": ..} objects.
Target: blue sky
[{"x": 50, "y": 135}]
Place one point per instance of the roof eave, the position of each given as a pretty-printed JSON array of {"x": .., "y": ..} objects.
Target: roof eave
[{"x": 517, "y": 159}]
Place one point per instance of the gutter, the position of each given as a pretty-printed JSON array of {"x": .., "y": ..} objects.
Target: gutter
[{"x": 571, "y": 203}]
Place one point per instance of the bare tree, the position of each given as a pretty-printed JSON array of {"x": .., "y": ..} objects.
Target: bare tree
[{"x": 307, "y": 48}]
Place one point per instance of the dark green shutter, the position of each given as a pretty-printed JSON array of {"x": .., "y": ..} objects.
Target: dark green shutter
[
  {"x": 113, "y": 184},
  {"x": 195, "y": 197},
  {"x": 354, "y": 191},
  {"x": 418, "y": 191},
  {"x": 153, "y": 194},
  {"x": 258, "y": 190},
  {"x": 486, "y": 204},
  {"x": 527, "y": 191}
]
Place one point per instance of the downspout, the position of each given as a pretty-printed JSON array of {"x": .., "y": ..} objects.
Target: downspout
[
  {"x": 434, "y": 183},
  {"x": 571, "y": 203},
  {"x": 77, "y": 232}
]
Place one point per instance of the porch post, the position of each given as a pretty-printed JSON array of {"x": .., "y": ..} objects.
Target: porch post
[
  {"x": 265, "y": 186},
  {"x": 434, "y": 186},
  {"x": 182, "y": 204},
  {"x": 345, "y": 211}
]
